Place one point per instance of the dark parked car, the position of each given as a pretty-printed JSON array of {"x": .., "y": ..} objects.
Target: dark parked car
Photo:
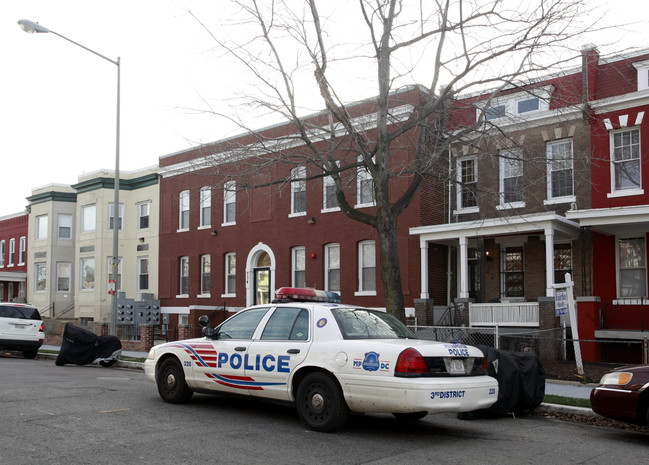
[
  {"x": 21, "y": 328},
  {"x": 623, "y": 395}
]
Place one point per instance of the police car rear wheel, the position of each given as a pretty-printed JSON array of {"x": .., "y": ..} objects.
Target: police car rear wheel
[
  {"x": 411, "y": 416},
  {"x": 320, "y": 403},
  {"x": 171, "y": 383}
]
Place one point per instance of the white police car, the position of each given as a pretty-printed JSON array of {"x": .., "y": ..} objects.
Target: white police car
[{"x": 326, "y": 358}]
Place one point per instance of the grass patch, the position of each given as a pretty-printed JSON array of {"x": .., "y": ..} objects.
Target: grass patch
[{"x": 569, "y": 401}]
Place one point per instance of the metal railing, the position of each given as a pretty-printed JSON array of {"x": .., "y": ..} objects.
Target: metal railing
[
  {"x": 514, "y": 314},
  {"x": 625, "y": 314}
]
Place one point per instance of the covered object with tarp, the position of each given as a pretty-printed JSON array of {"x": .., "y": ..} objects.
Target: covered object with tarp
[
  {"x": 521, "y": 380},
  {"x": 82, "y": 347}
]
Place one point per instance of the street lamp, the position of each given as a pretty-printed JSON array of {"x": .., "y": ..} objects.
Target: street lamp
[{"x": 31, "y": 27}]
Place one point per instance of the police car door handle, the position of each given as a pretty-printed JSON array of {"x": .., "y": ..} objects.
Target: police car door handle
[
  {"x": 240, "y": 349},
  {"x": 293, "y": 351}
]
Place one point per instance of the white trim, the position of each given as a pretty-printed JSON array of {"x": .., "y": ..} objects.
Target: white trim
[
  {"x": 458, "y": 190},
  {"x": 251, "y": 264},
  {"x": 360, "y": 290},
  {"x": 362, "y": 123}
]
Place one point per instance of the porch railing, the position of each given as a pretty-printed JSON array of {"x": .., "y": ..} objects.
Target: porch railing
[
  {"x": 625, "y": 314},
  {"x": 504, "y": 314}
]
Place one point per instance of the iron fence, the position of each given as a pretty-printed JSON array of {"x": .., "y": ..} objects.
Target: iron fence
[
  {"x": 551, "y": 345},
  {"x": 131, "y": 332},
  {"x": 629, "y": 314}
]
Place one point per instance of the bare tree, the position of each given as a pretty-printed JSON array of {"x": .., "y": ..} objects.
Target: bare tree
[{"x": 441, "y": 48}]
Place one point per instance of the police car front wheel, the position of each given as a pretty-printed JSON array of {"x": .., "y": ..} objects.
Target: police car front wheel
[
  {"x": 172, "y": 386},
  {"x": 320, "y": 403}
]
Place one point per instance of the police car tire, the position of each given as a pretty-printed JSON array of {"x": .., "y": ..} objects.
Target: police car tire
[
  {"x": 172, "y": 386},
  {"x": 410, "y": 416},
  {"x": 320, "y": 403}
]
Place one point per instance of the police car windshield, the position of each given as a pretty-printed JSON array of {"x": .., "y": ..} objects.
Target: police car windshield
[{"x": 361, "y": 323}]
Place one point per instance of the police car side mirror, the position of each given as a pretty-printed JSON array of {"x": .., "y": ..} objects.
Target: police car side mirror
[{"x": 209, "y": 332}]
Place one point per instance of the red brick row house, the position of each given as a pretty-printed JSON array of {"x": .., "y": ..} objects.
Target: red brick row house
[
  {"x": 616, "y": 223},
  {"x": 231, "y": 234},
  {"x": 13, "y": 257}
]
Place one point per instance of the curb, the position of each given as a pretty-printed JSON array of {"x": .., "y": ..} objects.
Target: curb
[
  {"x": 545, "y": 407},
  {"x": 120, "y": 363}
]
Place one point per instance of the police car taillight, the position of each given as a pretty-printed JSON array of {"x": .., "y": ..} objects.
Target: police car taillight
[
  {"x": 306, "y": 295},
  {"x": 410, "y": 364}
]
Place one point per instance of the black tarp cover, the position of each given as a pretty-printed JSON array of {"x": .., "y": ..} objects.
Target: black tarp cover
[
  {"x": 521, "y": 380},
  {"x": 82, "y": 347}
]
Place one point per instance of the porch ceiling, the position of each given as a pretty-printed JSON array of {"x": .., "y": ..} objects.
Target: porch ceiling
[
  {"x": 614, "y": 221},
  {"x": 515, "y": 225}
]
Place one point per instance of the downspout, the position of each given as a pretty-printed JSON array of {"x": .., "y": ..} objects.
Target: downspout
[{"x": 450, "y": 217}]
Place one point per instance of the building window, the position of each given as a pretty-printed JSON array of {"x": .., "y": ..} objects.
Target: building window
[
  {"x": 184, "y": 276},
  {"x": 632, "y": 267},
  {"x": 495, "y": 112},
  {"x": 88, "y": 218},
  {"x": 23, "y": 251},
  {"x": 2, "y": 254},
  {"x": 183, "y": 211},
  {"x": 229, "y": 202},
  {"x": 12, "y": 251},
  {"x": 87, "y": 273},
  {"x": 511, "y": 177},
  {"x": 365, "y": 186},
  {"x": 143, "y": 211},
  {"x": 527, "y": 104},
  {"x": 65, "y": 226},
  {"x": 560, "y": 169},
  {"x": 206, "y": 206},
  {"x": 111, "y": 217},
  {"x": 41, "y": 227},
  {"x": 298, "y": 191},
  {"x": 143, "y": 273},
  {"x": 63, "y": 274},
  {"x": 562, "y": 262},
  {"x": 118, "y": 279},
  {"x": 626, "y": 159},
  {"x": 332, "y": 267},
  {"x": 230, "y": 273},
  {"x": 513, "y": 272},
  {"x": 329, "y": 200},
  {"x": 298, "y": 261},
  {"x": 205, "y": 274},
  {"x": 367, "y": 267},
  {"x": 467, "y": 177},
  {"x": 41, "y": 276}
]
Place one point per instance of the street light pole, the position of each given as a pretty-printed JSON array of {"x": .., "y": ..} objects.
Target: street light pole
[{"x": 31, "y": 27}]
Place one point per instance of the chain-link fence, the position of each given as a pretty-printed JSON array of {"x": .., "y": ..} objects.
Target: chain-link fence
[{"x": 555, "y": 347}]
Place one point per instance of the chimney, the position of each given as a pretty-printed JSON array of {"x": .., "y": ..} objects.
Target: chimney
[{"x": 589, "y": 63}]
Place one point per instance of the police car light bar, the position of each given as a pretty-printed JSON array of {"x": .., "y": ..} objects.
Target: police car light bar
[{"x": 307, "y": 295}]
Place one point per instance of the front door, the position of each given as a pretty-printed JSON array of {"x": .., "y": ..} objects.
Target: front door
[{"x": 262, "y": 286}]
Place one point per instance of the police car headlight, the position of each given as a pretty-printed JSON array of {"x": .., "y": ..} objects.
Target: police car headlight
[{"x": 151, "y": 355}]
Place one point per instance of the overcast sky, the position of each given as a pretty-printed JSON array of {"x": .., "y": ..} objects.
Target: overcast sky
[{"x": 58, "y": 103}]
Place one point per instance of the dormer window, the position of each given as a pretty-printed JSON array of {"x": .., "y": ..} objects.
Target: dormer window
[
  {"x": 642, "y": 68},
  {"x": 516, "y": 105}
]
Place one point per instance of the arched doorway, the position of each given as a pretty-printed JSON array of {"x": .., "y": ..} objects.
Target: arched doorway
[
  {"x": 260, "y": 275},
  {"x": 262, "y": 291}
]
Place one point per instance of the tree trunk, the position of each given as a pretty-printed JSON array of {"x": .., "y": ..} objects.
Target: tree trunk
[{"x": 390, "y": 269}]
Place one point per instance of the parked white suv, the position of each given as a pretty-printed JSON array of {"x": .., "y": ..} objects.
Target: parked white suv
[{"x": 21, "y": 328}]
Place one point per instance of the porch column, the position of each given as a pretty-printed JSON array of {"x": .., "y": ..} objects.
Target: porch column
[
  {"x": 464, "y": 267},
  {"x": 423, "y": 253},
  {"x": 549, "y": 262}
]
